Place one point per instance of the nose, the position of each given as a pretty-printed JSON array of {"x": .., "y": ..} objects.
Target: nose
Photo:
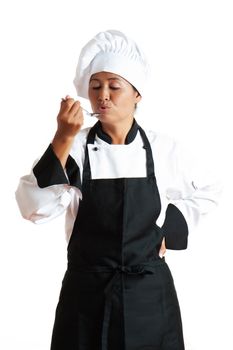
[{"x": 103, "y": 94}]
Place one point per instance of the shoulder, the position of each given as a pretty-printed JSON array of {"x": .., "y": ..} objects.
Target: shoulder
[{"x": 161, "y": 142}]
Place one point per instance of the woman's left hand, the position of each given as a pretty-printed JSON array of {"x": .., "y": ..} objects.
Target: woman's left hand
[{"x": 163, "y": 249}]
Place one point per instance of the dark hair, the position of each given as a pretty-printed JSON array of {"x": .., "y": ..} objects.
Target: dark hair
[
  {"x": 135, "y": 106},
  {"x": 136, "y": 90}
]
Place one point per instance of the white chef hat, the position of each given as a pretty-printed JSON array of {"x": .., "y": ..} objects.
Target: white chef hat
[{"x": 111, "y": 51}]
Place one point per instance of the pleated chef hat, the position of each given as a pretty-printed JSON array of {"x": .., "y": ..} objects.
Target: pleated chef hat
[{"x": 111, "y": 51}]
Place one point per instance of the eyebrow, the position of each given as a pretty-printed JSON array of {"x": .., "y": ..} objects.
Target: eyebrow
[{"x": 107, "y": 79}]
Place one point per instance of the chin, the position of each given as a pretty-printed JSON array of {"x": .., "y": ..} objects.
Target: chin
[{"x": 107, "y": 118}]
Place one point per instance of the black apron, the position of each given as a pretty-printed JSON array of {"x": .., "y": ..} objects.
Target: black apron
[{"x": 117, "y": 293}]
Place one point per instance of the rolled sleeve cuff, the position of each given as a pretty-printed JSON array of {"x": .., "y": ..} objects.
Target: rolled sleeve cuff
[
  {"x": 49, "y": 171},
  {"x": 175, "y": 229}
]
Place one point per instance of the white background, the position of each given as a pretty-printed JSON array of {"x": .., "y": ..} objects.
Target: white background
[{"x": 189, "y": 46}]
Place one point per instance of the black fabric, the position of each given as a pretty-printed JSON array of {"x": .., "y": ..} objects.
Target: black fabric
[
  {"x": 175, "y": 229},
  {"x": 117, "y": 293},
  {"x": 73, "y": 172},
  {"x": 91, "y": 312},
  {"x": 49, "y": 171},
  {"x": 129, "y": 137}
]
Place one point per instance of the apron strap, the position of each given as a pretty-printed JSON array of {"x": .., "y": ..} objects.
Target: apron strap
[
  {"x": 149, "y": 155},
  {"x": 86, "y": 165}
]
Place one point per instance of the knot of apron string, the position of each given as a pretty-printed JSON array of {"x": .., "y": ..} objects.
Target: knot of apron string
[{"x": 131, "y": 270}]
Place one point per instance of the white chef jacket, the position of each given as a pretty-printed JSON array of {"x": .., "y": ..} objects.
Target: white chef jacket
[{"x": 179, "y": 183}]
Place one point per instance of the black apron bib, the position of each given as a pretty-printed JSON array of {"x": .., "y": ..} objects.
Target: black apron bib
[{"x": 117, "y": 293}]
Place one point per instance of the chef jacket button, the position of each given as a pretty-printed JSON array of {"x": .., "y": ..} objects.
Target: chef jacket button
[{"x": 95, "y": 149}]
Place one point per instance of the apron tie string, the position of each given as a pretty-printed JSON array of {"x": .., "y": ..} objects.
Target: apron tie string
[{"x": 113, "y": 285}]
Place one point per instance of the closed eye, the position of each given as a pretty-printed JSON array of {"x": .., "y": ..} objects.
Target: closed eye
[{"x": 111, "y": 87}]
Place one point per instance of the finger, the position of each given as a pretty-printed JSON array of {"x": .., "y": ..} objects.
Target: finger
[
  {"x": 67, "y": 103},
  {"x": 65, "y": 98},
  {"x": 163, "y": 249},
  {"x": 162, "y": 253},
  {"x": 76, "y": 108}
]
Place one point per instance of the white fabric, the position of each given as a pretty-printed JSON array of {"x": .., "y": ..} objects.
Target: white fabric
[
  {"x": 112, "y": 161},
  {"x": 178, "y": 182},
  {"x": 111, "y": 51}
]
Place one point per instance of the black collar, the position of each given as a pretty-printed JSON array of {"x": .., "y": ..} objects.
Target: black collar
[{"x": 129, "y": 138}]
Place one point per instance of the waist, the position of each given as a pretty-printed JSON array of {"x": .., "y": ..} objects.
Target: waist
[{"x": 142, "y": 268}]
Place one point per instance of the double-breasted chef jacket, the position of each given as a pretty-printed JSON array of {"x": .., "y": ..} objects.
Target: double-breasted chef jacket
[{"x": 117, "y": 293}]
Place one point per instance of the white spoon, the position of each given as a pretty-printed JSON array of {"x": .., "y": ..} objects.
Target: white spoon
[
  {"x": 86, "y": 112},
  {"x": 90, "y": 114}
]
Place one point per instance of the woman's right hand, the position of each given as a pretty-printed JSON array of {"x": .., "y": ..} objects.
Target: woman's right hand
[
  {"x": 69, "y": 122},
  {"x": 69, "y": 119}
]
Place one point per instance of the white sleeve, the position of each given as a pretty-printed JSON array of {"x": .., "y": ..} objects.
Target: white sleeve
[
  {"x": 40, "y": 205},
  {"x": 48, "y": 190},
  {"x": 187, "y": 190},
  {"x": 194, "y": 189}
]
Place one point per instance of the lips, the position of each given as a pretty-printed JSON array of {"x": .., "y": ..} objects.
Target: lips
[{"x": 103, "y": 108}]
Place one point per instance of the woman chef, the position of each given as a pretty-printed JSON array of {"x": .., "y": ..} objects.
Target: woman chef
[{"x": 114, "y": 180}]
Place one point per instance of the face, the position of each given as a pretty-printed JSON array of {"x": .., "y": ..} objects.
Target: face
[{"x": 112, "y": 96}]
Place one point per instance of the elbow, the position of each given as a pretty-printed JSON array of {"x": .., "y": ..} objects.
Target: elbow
[{"x": 25, "y": 210}]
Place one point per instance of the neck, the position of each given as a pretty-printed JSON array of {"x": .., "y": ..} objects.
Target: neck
[{"x": 118, "y": 131}]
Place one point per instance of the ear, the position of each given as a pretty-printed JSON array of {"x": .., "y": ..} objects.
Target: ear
[{"x": 138, "y": 98}]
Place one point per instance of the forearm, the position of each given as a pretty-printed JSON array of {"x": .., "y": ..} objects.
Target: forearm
[{"x": 61, "y": 146}]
